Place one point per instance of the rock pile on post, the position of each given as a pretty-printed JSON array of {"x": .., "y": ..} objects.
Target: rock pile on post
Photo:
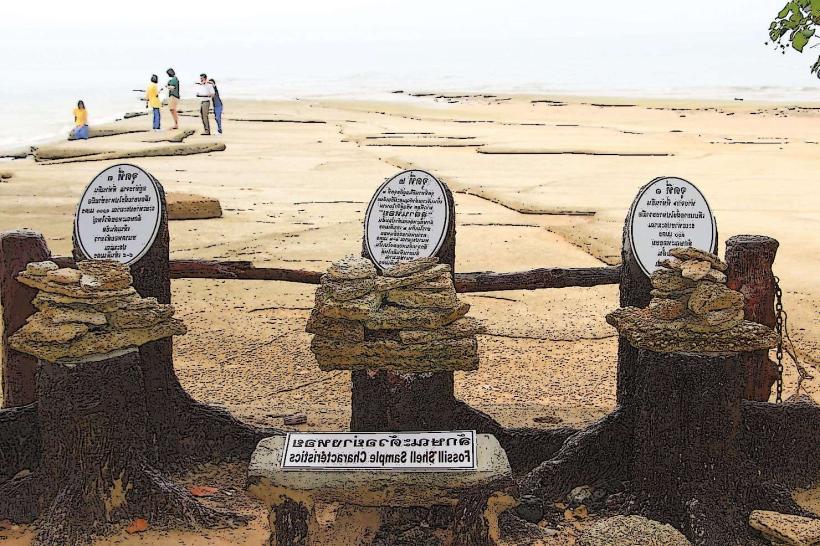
[
  {"x": 408, "y": 320},
  {"x": 89, "y": 310},
  {"x": 96, "y": 449},
  {"x": 692, "y": 310}
]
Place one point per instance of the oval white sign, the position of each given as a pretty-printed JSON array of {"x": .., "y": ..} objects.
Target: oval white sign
[
  {"x": 669, "y": 212},
  {"x": 119, "y": 215},
  {"x": 406, "y": 219}
]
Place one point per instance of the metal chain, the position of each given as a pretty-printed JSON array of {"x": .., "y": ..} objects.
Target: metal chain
[{"x": 778, "y": 314}]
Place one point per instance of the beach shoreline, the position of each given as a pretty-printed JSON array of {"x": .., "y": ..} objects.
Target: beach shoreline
[{"x": 700, "y": 96}]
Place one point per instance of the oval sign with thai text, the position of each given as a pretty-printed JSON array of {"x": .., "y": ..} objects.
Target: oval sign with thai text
[
  {"x": 407, "y": 218},
  {"x": 119, "y": 215},
  {"x": 669, "y": 212}
]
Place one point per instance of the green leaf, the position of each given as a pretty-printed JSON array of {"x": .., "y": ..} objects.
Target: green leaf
[
  {"x": 799, "y": 40},
  {"x": 785, "y": 11}
]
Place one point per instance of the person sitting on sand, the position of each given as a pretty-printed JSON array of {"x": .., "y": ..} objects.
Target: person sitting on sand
[
  {"x": 80, "y": 130},
  {"x": 204, "y": 92},
  {"x": 217, "y": 107},
  {"x": 173, "y": 96},
  {"x": 152, "y": 98}
]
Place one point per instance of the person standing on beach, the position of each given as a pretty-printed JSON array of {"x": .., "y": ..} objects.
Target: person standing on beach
[
  {"x": 152, "y": 98},
  {"x": 205, "y": 91},
  {"x": 173, "y": 96},
  {"x": 80, "y": 130},
  {"x": 217, "y": 107}
]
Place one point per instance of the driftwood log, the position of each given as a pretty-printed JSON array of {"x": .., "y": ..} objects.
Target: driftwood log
[
  {"x": 96, "y": 466},
  {"x": 478, "y": 281}
]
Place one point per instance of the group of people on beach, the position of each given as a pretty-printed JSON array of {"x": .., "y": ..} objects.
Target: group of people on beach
[{"x": 206, "y": 91}]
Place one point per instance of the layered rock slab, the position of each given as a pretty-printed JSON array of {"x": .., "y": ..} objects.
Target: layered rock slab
[
  {"x": 408, "y": 320},
  {"x": 692, "y": 310},
  {"x": 91, "y": 310},
  {"x": 786, "y": 529}
]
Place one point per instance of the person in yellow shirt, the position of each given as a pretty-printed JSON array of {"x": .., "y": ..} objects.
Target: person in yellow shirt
[
  {"x": 80, "y": 130},
  {"x": 152, "y": 98}
]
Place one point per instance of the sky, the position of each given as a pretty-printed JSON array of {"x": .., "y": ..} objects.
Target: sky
[{"x": 597, "y": 43}]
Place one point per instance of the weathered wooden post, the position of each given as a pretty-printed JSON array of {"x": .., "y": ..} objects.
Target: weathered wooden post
[
  {"x": 688, "y": 465},
  {"x": 651, "y": 228},
  {"x": 183, "y": 429},
  {"x": 750, "y": 259},
  {"x": 92, "y": 417},
  {"x": 18, "y": 248}
]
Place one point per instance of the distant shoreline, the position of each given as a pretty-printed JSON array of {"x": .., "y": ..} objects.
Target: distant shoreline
[{"x": 730, "y": 96}]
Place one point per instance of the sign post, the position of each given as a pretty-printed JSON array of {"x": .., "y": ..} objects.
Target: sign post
[
  {"x": 411, "y": 215},
  {"x": 668, "y": 212},
  {"x": 123, "y": 216}
]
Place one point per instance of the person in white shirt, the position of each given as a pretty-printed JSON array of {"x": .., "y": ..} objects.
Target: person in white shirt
[{"x": 205, "y": 92}]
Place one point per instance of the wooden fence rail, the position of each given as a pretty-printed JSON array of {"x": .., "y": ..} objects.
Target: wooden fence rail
[{"x": 488, "y": 281}]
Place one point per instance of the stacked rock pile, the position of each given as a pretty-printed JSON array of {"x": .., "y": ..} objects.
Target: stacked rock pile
[
  {"x": 692, "y": 309},
  {"x": 408, "y": 320},
  {"x": 88, "y": 311}
]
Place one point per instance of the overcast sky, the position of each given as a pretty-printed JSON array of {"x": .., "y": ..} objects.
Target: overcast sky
[{"x": 603, "y": 43}]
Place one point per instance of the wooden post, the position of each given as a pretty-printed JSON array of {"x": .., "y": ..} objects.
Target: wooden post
[
  {"x": 18, "y": 248},
  {"x": 687, "y": 424},
  {"x": 634, "y": 291},
  {"x": 750, "y": 259},
  {"x": 96, "y": 445},
  {"x": 383, "y": 400},
  {"x": 386, "y": 401},
  {"x": 183, "y": 430}
]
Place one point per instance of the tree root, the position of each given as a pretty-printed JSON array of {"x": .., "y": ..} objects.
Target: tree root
[
  {"x": 19, "y": 441},
  {"x": 595, "y": 455},
  {"x": 20, "y": 497},
  {"x": 715, "y": 515},
  {"x": 187, "y": 432},
  {"x": 78, "y": 512}
]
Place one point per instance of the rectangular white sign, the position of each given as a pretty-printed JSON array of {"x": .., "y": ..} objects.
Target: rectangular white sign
[{"x": 389, "y": 451}]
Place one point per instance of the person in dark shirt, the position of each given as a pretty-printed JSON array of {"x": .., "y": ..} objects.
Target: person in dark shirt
[
  {"x": 173, "y": 96},
  {"x": 217, "y": 100}
]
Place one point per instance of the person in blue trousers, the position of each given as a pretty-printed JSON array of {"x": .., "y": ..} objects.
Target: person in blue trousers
[
  {"x": 217, "y": 106},
  {"x": 152, "y": 100}
]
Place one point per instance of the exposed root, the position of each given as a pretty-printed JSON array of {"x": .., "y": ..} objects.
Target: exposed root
[{"x": 78, "y": 514}]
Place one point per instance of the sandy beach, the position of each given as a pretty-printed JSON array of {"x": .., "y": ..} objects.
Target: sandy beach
[{"x": 538, "y": 182}]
